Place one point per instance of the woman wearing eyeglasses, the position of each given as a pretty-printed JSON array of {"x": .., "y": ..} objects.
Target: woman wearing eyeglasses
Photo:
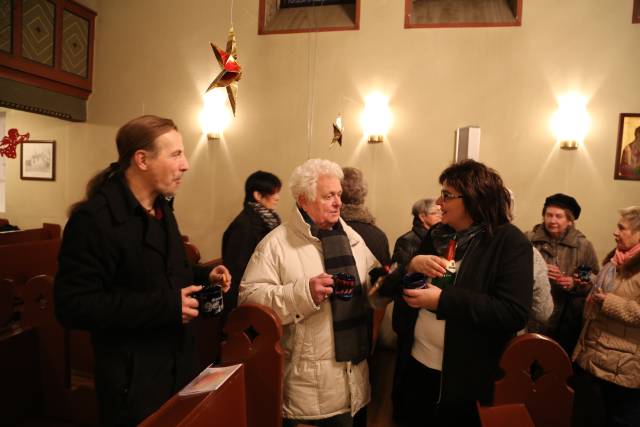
[{"x": 450, "y": 339}]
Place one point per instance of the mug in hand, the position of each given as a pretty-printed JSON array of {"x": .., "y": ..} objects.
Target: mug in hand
[
  {"x": 584, "y": 273},
  {"x": 209, "y": 298},
  {"x": 414, "y": 280},
  {"x": 343, "y": 284}
]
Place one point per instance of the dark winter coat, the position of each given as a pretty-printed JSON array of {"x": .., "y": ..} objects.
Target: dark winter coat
[
  {"x": 488, "y": 304},
  {"x": 360, "y": 219},
  {"x": 569, "y": 252},
  {"x": 407, "y": 245},
  {"x": 120, "y": 275},
  {"x": 238, "y": 243}
]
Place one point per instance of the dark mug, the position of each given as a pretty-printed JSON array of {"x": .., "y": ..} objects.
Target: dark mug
[
  {"x": 414, "y": 280},
  {"x": 210, "y": 301},
  {"x": 584, "y": 273},
  {"x": 343, "y": 284}
]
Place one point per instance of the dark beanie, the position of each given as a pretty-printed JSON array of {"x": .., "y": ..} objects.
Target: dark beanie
[{"x": 564, "y": 201}]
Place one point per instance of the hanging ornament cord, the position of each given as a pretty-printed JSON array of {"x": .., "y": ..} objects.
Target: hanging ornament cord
[
  {"x": 231, "y": 13},
  {"x": 311, "y": 70}
]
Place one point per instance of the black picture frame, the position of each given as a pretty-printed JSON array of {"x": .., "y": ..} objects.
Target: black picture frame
[{"x": 38, "y": 160}]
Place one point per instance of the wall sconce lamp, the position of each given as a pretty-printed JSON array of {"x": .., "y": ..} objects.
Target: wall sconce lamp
[
  {"x": 376, "y": 117},
  {"x": 570, "y": 122},
  {"x": 216, "y": 114}
]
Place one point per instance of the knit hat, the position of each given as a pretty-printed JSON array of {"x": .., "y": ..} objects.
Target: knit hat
[{"x": 564, "y": 201}]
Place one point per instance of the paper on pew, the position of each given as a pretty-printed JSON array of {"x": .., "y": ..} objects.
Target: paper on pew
[{"x": 210, "y": 379}]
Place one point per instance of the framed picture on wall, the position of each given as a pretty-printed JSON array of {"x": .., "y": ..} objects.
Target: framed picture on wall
[
  {"x": 636, "y": 12},
  {"x": 38, "y": 160},
  {"x": 628, "y": 148}
]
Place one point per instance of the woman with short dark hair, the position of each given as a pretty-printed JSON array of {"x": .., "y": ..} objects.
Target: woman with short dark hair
[
  {"x": 258, "y": 217},
  {"x": 450, "y": 338}
]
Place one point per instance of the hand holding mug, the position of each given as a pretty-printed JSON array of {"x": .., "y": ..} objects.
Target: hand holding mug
[
  {"x": 220, "y": 275},
  {"x": 189, "y": 303},
  {"x": 321, "y": 286},
  {"x": 429, "y": 265},
  {"x": 554, "y": 272},
  {"x": 565, "y": 282}
]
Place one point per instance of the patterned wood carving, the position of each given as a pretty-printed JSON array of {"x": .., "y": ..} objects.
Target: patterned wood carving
[
  {"x": 37, "y": 30},
  {"x": 5, "y": 25},
  {"x": 48, "y": 45},
  {"x": 75, "y": 35}
]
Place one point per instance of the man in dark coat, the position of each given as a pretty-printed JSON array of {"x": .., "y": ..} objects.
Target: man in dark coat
[{"x": 124, "y": 276}]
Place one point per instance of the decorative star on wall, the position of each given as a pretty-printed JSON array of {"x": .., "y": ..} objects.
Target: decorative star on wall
[
  {"x": 231, "y": 70},
  {"x": 10, "y": 142}
]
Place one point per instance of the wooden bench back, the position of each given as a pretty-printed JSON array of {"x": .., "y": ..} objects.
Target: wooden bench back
[
  {"x": 38, "y": 313},
  {"x": 542, "y": 390},
  {"x": 253, "y": 338},
  {"x": 46, "y": 232}
]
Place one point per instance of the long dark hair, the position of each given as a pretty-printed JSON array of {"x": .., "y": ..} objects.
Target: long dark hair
[
  {"x": 485, "y": 197},
  {"x": 137, "y": 134}
]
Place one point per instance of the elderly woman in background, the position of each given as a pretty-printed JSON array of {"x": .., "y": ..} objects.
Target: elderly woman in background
[
  {"x": 356, "y": 214},
  {"x": 425, "y": 213},
  {"x": 608, "y": 347},
  {"x": 565, "y": 249},
  {"x": 450, "y": 339},
  {"x": 258, "y": 217}
]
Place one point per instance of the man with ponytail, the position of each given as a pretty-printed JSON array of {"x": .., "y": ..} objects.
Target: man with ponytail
[{"x": 124, "y": 276}]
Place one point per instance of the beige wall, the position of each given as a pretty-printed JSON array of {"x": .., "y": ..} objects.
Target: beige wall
[{"x": 154, "y": 57}]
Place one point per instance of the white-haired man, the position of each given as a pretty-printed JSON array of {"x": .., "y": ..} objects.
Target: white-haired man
[{"x": 325, "y": 340}]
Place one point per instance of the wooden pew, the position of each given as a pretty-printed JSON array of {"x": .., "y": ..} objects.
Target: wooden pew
[
  {"x": 20, "y": 384},
  {"x": 222, "y": 407},
  {"x": 253, "y": 338},
  {"x": 34, "y": 357},
  {"x": 254, "y": 333},
  {"x": 541, "y": 399},
  {"x": 20, "y": 262},
  {"x": 46, "y": 232},
  {"x": 6, "y": 303},
  {"x": 38, "y": 314}
]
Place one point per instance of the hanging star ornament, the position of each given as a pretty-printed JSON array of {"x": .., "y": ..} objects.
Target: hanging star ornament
[
  {"x": 231, "y": 70},
  {"x": 338, "y": 128},
  {"x": 10, "y": 142}
]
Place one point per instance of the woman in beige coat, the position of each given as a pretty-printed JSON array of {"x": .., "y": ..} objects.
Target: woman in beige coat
[
  {"x": 325, "y": 342},
  {"x": 609, "y": 345}
]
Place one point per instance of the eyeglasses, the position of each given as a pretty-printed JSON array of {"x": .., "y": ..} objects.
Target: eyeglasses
[{"x": 445, "y": 196}]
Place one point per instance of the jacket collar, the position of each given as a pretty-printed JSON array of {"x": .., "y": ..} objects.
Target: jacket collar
[
  {"x": 123, "y": 204},
  {"x": 570, "y": 238},
  {"x": 300, "y": 226},
  {"x": 358, "y": 213},
  {"x": 120, "y": 200},
  {"x": 419, "y": 230}
]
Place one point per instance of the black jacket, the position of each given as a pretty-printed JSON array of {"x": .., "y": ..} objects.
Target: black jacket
[
  {"x": 407, "y": 245},
  {"x": 374, "y": 238},
  {"x": 120, "y": 275},
  {"x": 489, "y": 303},
  {"x": 238, "y": 243}
]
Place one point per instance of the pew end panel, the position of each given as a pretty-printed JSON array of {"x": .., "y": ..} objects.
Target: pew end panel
[
  {"x": 223, "y": 407},
  {"x": 253, "y": 338},
  {"x": 536, "y": 370}
]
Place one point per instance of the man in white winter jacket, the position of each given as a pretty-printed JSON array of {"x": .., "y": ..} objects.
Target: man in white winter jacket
[{"x": 326, "y": 340}]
